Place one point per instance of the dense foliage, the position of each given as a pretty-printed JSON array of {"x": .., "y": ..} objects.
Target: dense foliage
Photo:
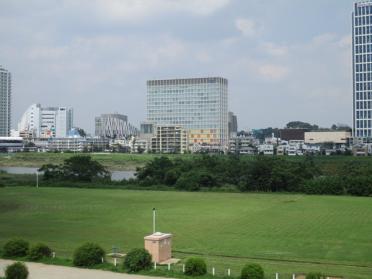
[
  {"x": 195, "y": 267},
  {"x": 314, "y": 275},
  {"x": 137, "y": 259},
  {"x": 252, "y": 271},
  {"x": 259, "y": 174},
  {"x": 76, "y": 168},
  {"x": 40, "y": 251},
  {"x": 17, "y": 270},
  {"x": 266, "y": 174},
  {"x": 16, "y": 248},
  {"x": 88, "y": 254}
]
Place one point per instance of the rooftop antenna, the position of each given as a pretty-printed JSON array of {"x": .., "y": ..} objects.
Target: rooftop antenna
[{"x": 153, "y": 219}]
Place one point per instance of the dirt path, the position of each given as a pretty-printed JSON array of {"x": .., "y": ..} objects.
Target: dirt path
[{"x": 43, "y": 271}]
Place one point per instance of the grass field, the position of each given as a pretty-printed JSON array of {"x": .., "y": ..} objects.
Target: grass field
[
  {"x": 284, "y": 233},
  {"x": 125, "y": 161}
]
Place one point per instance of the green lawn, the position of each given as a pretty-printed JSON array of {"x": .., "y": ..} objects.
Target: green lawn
[
  {"x": 114, "y": 161},
  {"x": 284, "y": 233},
  {"x": 125, "y": 161}
]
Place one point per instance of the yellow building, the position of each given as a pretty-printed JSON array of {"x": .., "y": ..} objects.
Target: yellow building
[{"x": 204, "y": 136}]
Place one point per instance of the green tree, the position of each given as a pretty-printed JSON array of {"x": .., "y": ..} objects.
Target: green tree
[
  {"x": 17, "y": 270},
  {"x": 195, "y": 267},
  {"x": 252, "y": 271},
  {"x": 77, "y": 168},
  {"x": 137, "y": 259},
  {"x": 88, "y": 255}
]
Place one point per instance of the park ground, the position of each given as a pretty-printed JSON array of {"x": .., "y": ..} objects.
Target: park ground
[
  {"x": 284, "y": 233},
  {"x": 127, "y": 161}
]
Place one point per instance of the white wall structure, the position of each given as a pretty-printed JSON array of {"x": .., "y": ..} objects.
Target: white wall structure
[
  {"x": 46, "y": 122},
  {"x": 339, "y": 137},
  {"x": 64, "y": 123},
  {"x": 30, "y": 121}
]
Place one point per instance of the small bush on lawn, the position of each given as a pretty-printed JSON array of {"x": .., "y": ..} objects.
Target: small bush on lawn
[
  {"x": 16, "y": 271},
  {"x": 88, "y": 255},
  {"x": 252, "y": 271},
  {"x": 137, "y": 259},
  {"x": 39, "y": 251},
  {"x": 314, "y": 275},
  {"x": 195, "y": 267},
  {"x": 16, "y": 248}
]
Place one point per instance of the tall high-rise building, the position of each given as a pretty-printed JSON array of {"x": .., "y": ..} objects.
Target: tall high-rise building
[
  {"x": 5, "y": 102},
  {"x": 362, "y": 69},
  {"x": 233, "y": 125},
  {"x": 46, "y": 122},
  {"x": 199, "y": 105}
]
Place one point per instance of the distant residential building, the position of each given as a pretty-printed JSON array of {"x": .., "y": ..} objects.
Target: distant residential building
[
  {"x": 292, "y": 150},
  {"x": 281, "y": 150},
  {"x": 11, "y": 144},
  {"x": 193, "y": 103},
  {"x": 360, "y": 150},
  {"x": 114, "y": 126},
  {"x": 141, "y": 146},
  {"x": 46, "y": 122},
  {"x": 5, "y": 102},
  {"x": 362, "y": 69},
  {"x": 233, "y": 125},
  {"x": 170, "y": 139},
  {"x": 241, "y": 146},
  {"x": 77, "y": 144},
  {"x": 266, "y": 149}
]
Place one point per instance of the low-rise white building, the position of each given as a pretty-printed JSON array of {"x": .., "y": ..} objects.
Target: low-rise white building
[{"x": 266, "y": 149}]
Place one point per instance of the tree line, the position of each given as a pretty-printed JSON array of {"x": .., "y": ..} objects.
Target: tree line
[
  {"x": 226, "y": 173},
  {"x": 260, "y": 174}
]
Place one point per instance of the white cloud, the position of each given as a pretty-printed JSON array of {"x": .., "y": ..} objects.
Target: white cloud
[
  {"x": 247, "y": 27},
  {"x": 138, "y": 10},
  {"x": 273, "y": 72},
  {"x": 345, "y": 41},
  {"x": 275, "y": 50}
]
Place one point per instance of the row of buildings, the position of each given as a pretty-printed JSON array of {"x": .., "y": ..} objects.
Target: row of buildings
[
  {"x": 191, "y": 114},
  {"x": 295, "y": 142}
]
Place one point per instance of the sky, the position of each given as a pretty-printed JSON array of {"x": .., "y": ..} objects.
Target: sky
[{"x": 285, "y": 60}]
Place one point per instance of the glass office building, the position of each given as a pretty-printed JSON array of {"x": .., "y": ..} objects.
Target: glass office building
[
  {"x": 197, "y": 104},
  {"x": 5, "y": 102},
  {"x": 362, "y": 69}
]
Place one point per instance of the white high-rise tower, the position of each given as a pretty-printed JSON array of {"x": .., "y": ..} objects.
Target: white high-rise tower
[{"x": 5, "y": 102}]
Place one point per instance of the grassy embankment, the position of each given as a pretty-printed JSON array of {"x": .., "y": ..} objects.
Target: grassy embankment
[
  {"x": 284, "y": 233},
  {"x": 124, "y": 161}
]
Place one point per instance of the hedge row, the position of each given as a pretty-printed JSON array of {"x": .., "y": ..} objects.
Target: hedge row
[
  {"x": 91, "y": 254},
  {"x": 338, "y": 185}
]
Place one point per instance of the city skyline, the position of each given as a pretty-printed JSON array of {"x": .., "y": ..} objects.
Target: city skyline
[{"x": 275, "y": 56}]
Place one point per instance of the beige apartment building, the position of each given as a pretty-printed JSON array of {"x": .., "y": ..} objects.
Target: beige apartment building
[
  {"x": 318, "y": 137},
  {"x": 169, "y": 139}
]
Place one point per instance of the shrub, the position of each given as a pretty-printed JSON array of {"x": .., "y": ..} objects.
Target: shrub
[
  {"x": 88, "y": 254},
  {"x": 195, "y": 267},
  {"x": 137, "y": 259},
  {"x": 40, "y": 251},
  {"x": 16, "y": 271},
  {"x": 16, "y": 248},
  {"x": 252, "y": 271},
  {"x": 314, "y": 275}
]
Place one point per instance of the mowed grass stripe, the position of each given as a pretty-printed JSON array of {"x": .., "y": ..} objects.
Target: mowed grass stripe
[{"x": 272, "y": 226}]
